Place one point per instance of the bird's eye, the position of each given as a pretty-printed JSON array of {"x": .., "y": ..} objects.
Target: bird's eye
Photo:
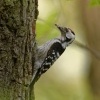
[
  {"x": 71, "y": 31},
  {"x": 68, "y": 39},
  {"x": 66, "y": 29}
]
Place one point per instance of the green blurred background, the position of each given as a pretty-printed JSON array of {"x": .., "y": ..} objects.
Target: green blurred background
[{"x": 76, "y": 74}]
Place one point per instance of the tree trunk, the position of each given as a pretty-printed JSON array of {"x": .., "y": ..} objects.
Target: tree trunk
[{"x": 17, "y": 48}]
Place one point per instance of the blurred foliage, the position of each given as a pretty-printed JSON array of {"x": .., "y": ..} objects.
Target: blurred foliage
[
  {"x": 53, "y": 90},
  {"x": 45, "y": 28},
  {"x": 95, "y": 2},
  {"x": 45, "y": 88}
]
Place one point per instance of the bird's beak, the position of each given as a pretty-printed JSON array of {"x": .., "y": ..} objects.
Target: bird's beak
[{"x": 60, "y": 28}]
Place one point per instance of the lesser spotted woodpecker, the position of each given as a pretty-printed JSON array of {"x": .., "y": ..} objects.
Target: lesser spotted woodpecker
[{"x": 49, "y": 52}]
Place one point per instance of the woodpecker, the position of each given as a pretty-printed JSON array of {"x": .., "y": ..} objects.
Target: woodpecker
[{"x": 49, "y": 52}]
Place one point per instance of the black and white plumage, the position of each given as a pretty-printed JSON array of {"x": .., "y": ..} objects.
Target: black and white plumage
[{"x": 49, "y": 52}]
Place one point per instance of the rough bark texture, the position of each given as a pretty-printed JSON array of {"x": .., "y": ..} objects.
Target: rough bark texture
[
  {"x": 17, "y": 47},
  {"x": 91, "y": 17}
]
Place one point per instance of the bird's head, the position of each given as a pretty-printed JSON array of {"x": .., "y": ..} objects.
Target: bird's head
[{"x": 67, "y": 35}]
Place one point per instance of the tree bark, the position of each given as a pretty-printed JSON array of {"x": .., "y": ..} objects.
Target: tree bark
[{"x": 17, "y": 48}]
